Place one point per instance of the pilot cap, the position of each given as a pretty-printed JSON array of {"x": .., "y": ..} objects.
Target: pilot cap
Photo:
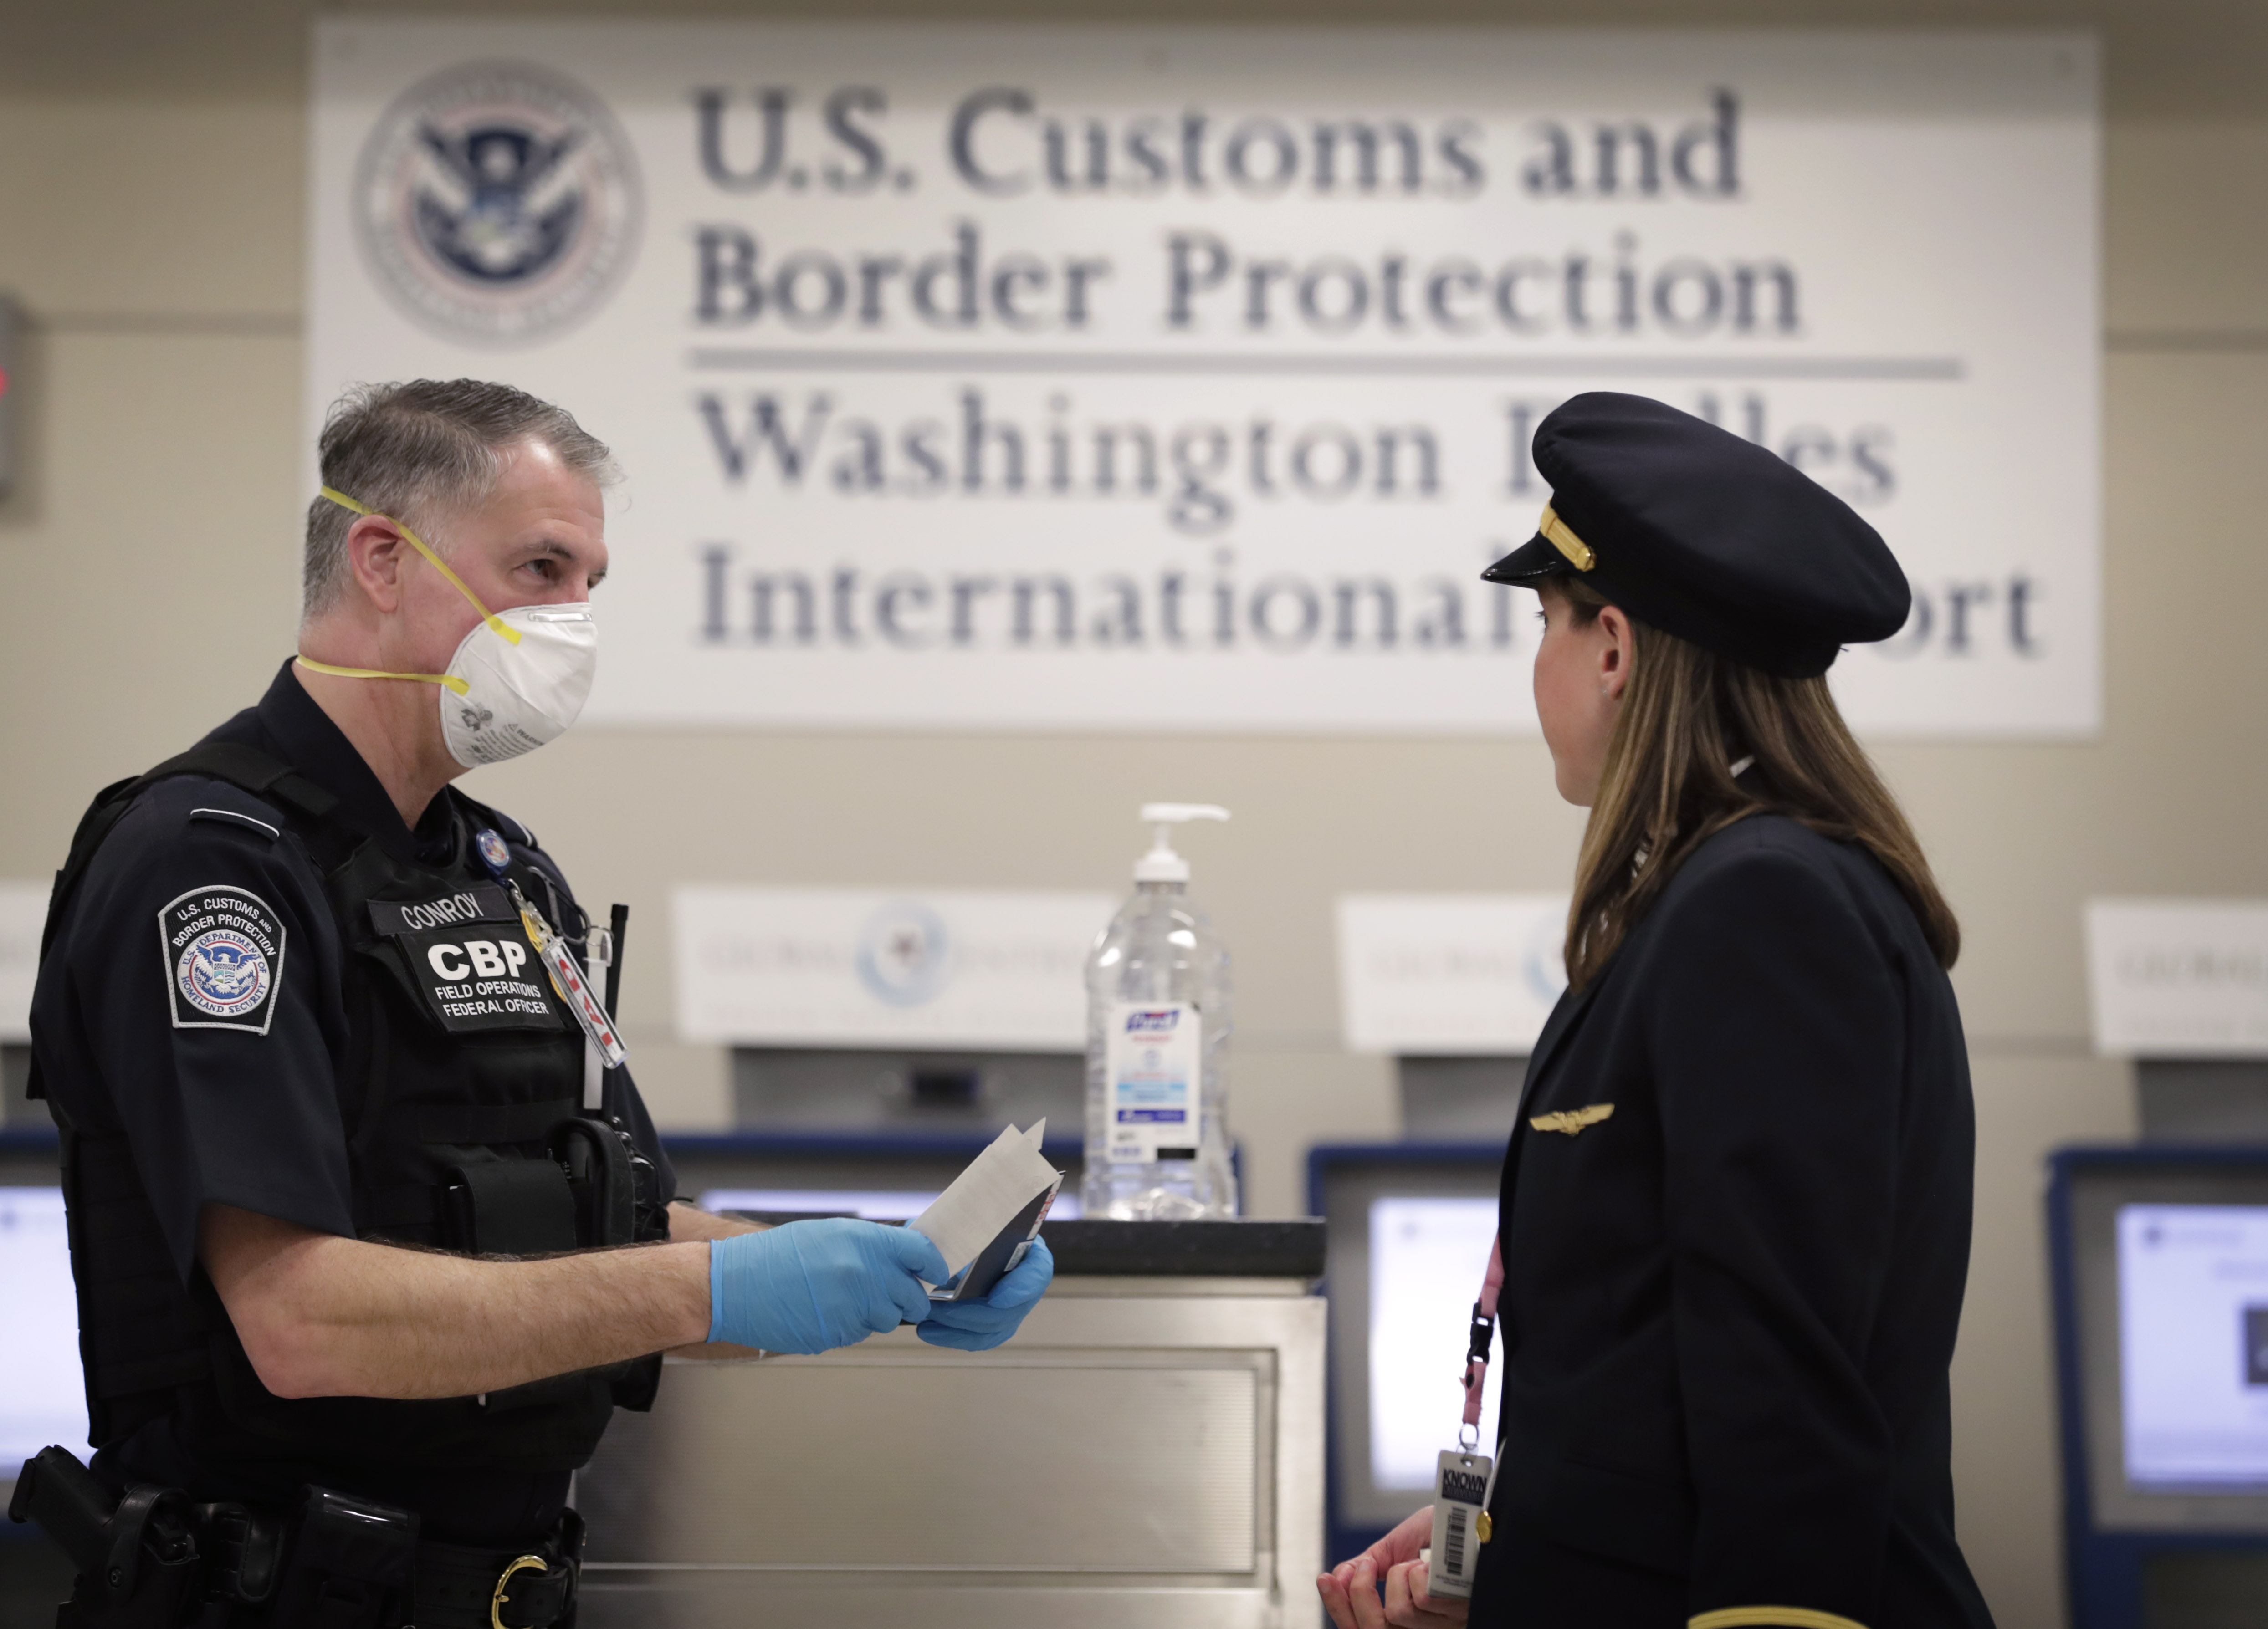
[{"x": 1693, "y": 531}]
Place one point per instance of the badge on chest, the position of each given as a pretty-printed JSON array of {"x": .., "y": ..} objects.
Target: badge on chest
[{"x": 470, "y": 956}]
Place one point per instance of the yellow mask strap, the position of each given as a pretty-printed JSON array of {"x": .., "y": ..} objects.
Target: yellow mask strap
[
  {"x": 497, "y": 625},
  {"x": 447, "y": 681}
]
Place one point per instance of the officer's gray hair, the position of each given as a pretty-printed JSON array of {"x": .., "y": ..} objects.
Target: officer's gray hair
[{"x": 425, "y": 448}]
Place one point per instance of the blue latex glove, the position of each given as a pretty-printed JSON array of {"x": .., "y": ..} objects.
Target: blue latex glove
[
  {"x": 981, "y": 1325},
  {"x": 813, "y": 1286}
]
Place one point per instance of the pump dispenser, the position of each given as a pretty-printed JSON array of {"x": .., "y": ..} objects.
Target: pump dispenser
[
  {"x": 1161, "y": 864},
  {"x": 1157, "y": 1039}
]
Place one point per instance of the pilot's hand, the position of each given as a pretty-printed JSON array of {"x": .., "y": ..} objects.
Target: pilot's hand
[
  {"x": 1353, "y": 1597},
  {"x": 813, "y": 1286},
  {"x": 981, "y": 1325}
]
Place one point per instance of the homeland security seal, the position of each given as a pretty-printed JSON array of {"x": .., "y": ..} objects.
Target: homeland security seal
[
  {"x": 497, "y": 202},
  {"x": 223, "y": 953}
]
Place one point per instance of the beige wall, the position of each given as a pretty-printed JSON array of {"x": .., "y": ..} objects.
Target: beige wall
[{"x": 151, "y": 202}]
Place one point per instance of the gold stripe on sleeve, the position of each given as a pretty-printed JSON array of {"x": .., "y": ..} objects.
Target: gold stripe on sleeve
[{"x": 1770, "y": 1617}]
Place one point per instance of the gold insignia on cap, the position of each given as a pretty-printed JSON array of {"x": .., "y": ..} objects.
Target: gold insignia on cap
[
  {"x": 1572, "y": 1120},
  {"x": 1771, "y": 1617},
  {"x": 1564, "y": 539}
]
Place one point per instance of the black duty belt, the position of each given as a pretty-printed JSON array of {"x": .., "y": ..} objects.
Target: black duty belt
[
  {"x": 154, "y": 1559},
  {"x": 452, "y": 1586},
  {"x": 328, "y": 1574},
  {"x": 464, "y": 1587}
]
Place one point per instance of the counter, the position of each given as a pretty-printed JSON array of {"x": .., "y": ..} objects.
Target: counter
[{"x": 1148, "y": 1450}]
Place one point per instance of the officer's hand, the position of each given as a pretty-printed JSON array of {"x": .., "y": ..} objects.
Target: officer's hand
[
  {"x": 813, "y": 1286},
  {"x": 1352, "y": 1590},
  {"x": 981, "y": 1325}
]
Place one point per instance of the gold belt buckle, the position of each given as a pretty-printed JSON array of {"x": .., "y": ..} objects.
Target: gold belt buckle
[{"x": 503, "y": 1582}]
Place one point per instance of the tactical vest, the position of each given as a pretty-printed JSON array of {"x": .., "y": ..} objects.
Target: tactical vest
[{"x": 463, "y": 1106}]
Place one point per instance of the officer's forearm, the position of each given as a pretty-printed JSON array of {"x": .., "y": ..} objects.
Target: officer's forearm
[
  {"x": 689, "y": 1222},
  {"x": 326, "y": 1317}
]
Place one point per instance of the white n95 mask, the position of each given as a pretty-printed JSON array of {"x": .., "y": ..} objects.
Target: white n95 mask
[
  {"x": 519, "y": 695},
  {"x": 518, "y": 679}
]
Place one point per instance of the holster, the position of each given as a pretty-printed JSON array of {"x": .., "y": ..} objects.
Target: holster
[{"x": 137, "y": 1557}]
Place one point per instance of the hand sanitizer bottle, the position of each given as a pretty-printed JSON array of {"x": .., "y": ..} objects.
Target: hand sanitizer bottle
[{"x": 1158, "y": 1022}]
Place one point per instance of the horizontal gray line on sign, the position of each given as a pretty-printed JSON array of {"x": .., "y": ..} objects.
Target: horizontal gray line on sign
[{"x": 731, "y": 359}]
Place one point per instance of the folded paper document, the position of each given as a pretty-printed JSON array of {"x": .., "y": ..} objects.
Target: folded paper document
[{"x": 983, "y": 1224}]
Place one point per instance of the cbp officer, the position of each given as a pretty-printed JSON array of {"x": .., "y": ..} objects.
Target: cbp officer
[
  {"x": 1734, "y": 1229},
  {"x": 315, "y": 1026}
]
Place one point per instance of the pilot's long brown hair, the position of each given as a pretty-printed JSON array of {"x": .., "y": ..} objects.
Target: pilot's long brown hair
[{"x": 1667, "y": 787}]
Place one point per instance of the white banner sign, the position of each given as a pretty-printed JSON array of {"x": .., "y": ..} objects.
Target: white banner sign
[
  {"x": 23, "y": 916},
  {"x": 856, "y": 967},
  {"x": 1178, "y": 378},
  {"x": 1449, "y": 974},
  {"x": 2179, "y": 977}
]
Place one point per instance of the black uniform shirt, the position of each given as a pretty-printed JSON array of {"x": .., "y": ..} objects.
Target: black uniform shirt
[
  {"x": 1735, "y": 1229},
  {"x": 224, "y": 1077}
]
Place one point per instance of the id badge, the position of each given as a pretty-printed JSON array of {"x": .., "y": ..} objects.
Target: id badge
[
  {"x": 567, "y": 979},
  {"x": 1461, "y": 1523}
]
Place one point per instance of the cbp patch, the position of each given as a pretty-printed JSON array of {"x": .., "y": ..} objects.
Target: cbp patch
[
  {"x": 223, "y": 950},
  {"x": 468, "y": 955},
  {"x": 486, "y": 979}
]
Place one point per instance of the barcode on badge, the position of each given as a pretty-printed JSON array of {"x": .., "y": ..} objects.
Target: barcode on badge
[{"x": 1453, "y": 1548}]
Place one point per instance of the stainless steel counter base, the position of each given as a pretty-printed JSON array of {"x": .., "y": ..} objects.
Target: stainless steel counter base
[{"x": 1146, "y": 1452}]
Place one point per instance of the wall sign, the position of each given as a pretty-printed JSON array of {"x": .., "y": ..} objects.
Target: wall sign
[
  {"x": 1174, "y": 378},
  {"x": 1451, "y": 974},
  {"x": 861, "y": 967},
  {"x": 2179, "y": 977}
]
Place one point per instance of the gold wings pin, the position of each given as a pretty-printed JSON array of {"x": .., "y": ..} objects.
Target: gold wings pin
[{"x": 1572, "y": 1120}]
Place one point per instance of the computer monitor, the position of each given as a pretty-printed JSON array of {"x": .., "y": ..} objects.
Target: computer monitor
[
  {"x": 2161, "y": 1277},
  {"x": 2165, "y": 1281},
  {"x": 42, "y": 1399},
  {"x": 1409, "y": 1227}
]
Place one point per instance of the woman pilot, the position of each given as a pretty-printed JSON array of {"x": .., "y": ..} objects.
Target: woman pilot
[{"x": 1734, "y": 1227}]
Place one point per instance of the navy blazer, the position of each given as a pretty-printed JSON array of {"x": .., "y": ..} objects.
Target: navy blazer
[{"x": 1735, "y": 1228}]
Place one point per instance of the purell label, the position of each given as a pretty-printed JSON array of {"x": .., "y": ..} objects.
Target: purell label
[
  {"x": 1459, "y": 1487},
  {"x": 1155, "y": 1062}
]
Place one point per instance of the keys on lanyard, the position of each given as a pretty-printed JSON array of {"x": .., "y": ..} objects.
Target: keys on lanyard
[
  {"x": 1464, "y": 1478},
  {"x": 566, "y": 977}
]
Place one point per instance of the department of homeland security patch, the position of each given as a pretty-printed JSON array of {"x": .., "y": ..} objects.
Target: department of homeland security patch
[
  {"x": 223, "y": 957},
  {"x": 497, "y": 202}
]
